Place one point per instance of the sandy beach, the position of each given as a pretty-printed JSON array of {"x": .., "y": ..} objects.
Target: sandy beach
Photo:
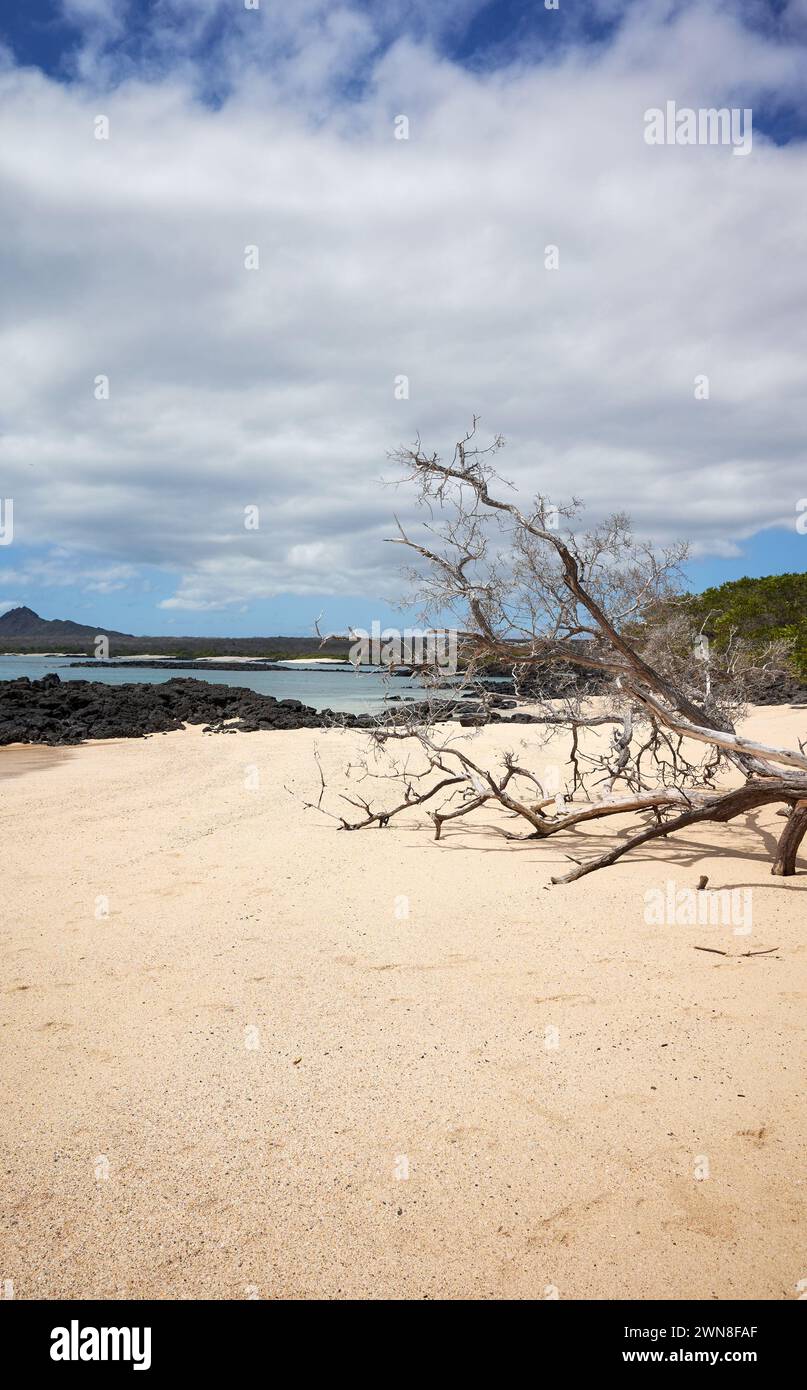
[{"x": 248, "y": 1055}]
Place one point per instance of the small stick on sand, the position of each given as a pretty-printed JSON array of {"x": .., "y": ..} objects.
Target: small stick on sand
[{"x": 743, "y": 954}]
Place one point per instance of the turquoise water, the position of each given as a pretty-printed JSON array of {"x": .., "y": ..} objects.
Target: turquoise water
[{"x": 340, "y": 689}]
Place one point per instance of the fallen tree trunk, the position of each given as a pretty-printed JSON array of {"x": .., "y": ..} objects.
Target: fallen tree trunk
[
  {"x": 733, "y": 804},
  {"x": 602, "y": 601},
  {"x": 761, "y": 753},
  {"x": 785, "y": 862}
]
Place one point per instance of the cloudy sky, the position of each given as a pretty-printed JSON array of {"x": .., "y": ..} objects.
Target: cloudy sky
[{"x": 379, "y": 258}]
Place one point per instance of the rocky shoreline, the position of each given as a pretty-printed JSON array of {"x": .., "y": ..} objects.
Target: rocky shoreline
[
  {"x": 68, "y": 712},
  {"x": 56, "y": 712},
  {"x": 164, "y": 663}
]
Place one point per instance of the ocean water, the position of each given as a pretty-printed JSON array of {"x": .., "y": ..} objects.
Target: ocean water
[{"x": 337, "y": 688}]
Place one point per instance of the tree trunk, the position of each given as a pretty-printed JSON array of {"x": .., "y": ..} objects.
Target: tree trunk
[{"x": 785, "y": 862}]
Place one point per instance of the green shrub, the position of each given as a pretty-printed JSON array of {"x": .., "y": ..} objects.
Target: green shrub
[{"x": 761, "y": 610}]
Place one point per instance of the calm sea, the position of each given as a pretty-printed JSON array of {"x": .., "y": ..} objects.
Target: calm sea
[{"x": 337, "y": 688}]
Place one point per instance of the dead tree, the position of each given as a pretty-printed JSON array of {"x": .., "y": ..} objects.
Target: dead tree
[{"x": 593, "y": 629}]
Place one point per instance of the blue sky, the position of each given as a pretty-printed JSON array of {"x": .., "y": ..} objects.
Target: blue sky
[{"x": 381, "y": 258}]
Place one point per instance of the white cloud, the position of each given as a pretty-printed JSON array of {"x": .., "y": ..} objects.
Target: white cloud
[
  {"x": 381, "y": 257},
  {"x": 61, "y": 569}
]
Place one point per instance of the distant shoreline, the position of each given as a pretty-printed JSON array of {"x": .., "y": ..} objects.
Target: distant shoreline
[{"x": 243, "y": 664}]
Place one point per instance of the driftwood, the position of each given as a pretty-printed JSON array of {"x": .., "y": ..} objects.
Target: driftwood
[
  {"x": 535, "y": 599},
  {"x": 785, "y": 862}
]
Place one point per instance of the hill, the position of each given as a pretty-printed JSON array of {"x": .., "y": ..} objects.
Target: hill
[
  {"x": 24, "y": 622},
  {"x": 23, "y": 631}
]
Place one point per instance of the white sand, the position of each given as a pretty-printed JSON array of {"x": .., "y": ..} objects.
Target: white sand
[{"x": 382, "y": 1040}]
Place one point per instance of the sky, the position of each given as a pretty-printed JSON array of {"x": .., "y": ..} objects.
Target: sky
[{"x": 253, "y": 289}]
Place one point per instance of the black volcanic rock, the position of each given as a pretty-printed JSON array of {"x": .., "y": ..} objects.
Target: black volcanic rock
[
  {"x": 775, "y": 688},
  {"x": 56, "y": 712}
]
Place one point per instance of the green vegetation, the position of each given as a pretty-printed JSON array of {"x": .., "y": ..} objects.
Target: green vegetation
[{"x": 761, "y": 610}]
